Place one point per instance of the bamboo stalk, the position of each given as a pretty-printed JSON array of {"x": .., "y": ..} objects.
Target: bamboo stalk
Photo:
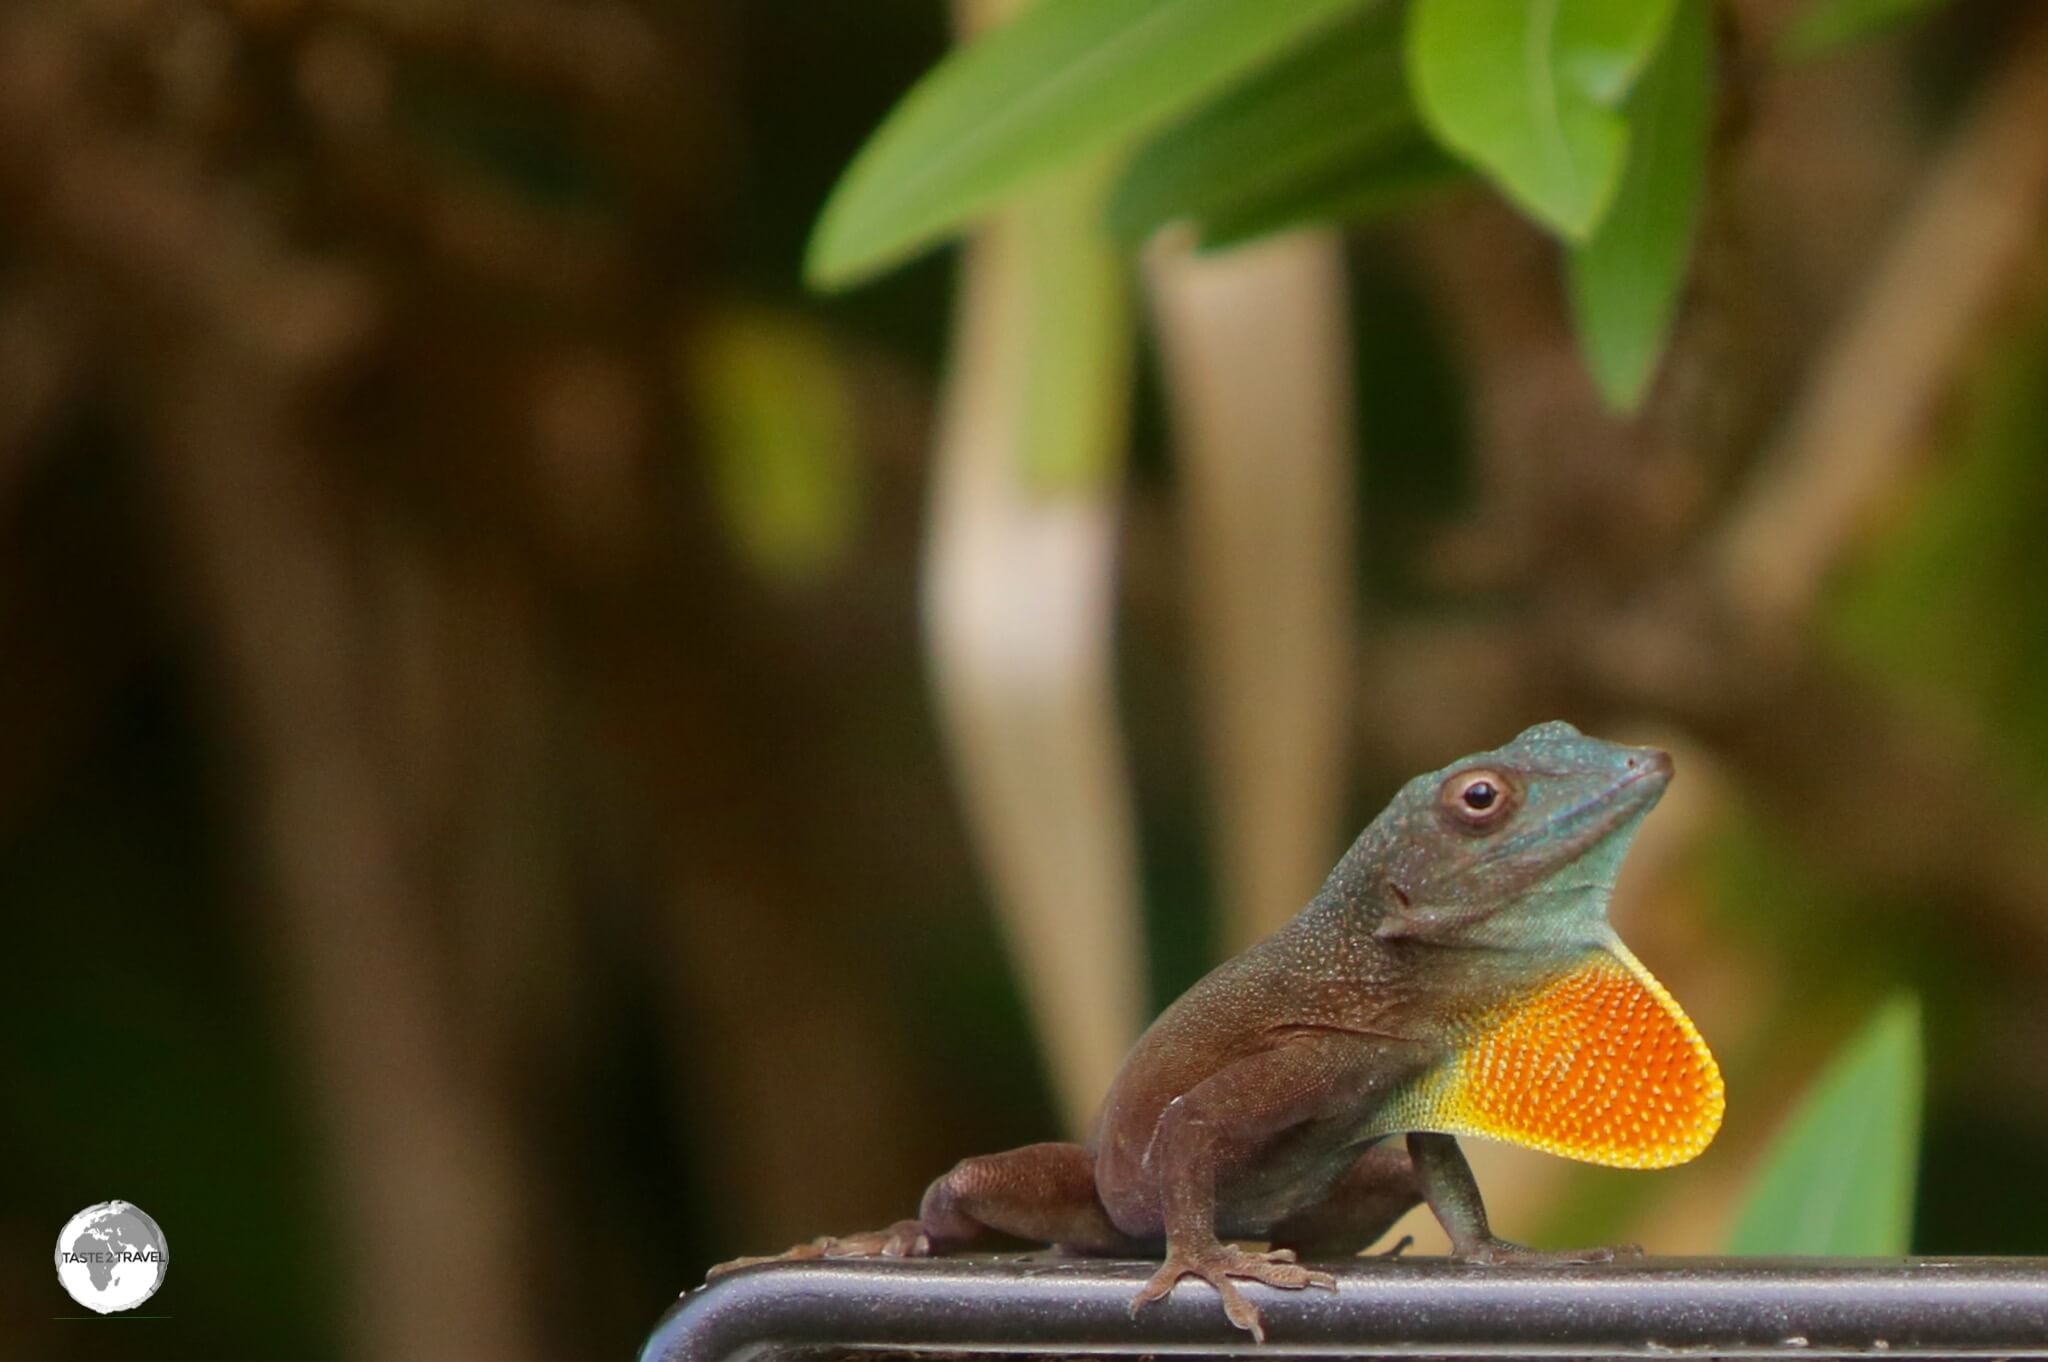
[
  {"x": 1018, "y": 603},
  {"x": 1256, "y": 349}
]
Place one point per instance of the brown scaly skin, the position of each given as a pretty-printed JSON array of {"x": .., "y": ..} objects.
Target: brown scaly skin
[{"x": 1253, "y": 1108}]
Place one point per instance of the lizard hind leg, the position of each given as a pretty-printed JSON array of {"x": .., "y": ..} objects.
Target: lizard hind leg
[{"x": 1044, "y": 1193}]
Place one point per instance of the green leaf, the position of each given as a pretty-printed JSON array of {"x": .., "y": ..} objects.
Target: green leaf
[
  {"x": 1838, "y": 1177},
  {"x": 1626, "y": 279},
  {"x": 1062, "y": 81},
  {"x": 1829, "y": 24},
  {"x": 1329, "y": 123},
  {"x": 1529, "y": 93},
  {"x": 1387, "y": 181}
]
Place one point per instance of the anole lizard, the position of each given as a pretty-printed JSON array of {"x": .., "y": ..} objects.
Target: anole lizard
[{"x": 1455, "y": 975}]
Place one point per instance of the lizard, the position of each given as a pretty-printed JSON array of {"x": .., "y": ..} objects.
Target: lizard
[{"x": 1455, "y": 975}]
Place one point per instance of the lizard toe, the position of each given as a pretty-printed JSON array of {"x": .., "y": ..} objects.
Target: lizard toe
[
  {"x": 817, "y": 1248},
  {"x": 1238, "y": 1310},
  {"x": 904, "y": 1239},
  {"x": 1502, "y": 1252},
  {"x": 1222, "y": 1269},
  {"x": 1274, "y": 1267},
  {"x": 1216, "y": 1270},
  {"x": 1161, "y": 1283}
]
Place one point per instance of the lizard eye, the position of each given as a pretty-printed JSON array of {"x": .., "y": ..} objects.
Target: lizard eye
[{"x": 1478, "y": 799}]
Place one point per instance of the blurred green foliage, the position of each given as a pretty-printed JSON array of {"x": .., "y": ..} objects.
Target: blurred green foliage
[
  {"x": 1327, "y": 131},
  {"x": 1299, "y": 119},
  {"x": 1828, "y": 24},
  {"x": 781, "y": 433},
  {"x": 1934, "y": 604},
  {"x": 1076, "y": 329},
  {"x": 1536, "y": 102},
  {"x": 1627, "y": 275},
  {"x": 1838, "y": 1177},
  {"x": 1065, "y": 80}
]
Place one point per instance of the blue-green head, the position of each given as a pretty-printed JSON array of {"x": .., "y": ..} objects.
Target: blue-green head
[{"x": 1515, "y": 848}]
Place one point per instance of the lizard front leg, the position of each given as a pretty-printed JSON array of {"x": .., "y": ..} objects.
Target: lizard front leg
[
  {"x": 1453, "y": 1195},
  {"x": 1229, "y": 1122}
]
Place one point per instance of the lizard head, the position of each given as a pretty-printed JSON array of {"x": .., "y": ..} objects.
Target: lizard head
[
  {"x": 1515, "y": 848},
  {"x": 1561, "y": 1039}
]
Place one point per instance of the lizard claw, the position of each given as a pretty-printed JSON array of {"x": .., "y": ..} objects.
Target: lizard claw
[
  {"x": 904, "y": 1239},
  {"x": 1218, "y": 1265}
]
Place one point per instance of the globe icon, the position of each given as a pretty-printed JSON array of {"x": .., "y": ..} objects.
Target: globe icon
[{"x": 112, "y": 1257}]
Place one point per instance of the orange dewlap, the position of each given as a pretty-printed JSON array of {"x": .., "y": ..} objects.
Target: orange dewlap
[{"x": 1598, "y": 1064}]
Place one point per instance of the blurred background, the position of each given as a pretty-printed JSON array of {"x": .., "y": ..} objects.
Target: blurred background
[{"x": 536, "y": 755}]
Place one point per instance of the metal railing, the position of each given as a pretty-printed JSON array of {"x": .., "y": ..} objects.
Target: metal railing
[{"x": 1420, "y": 1307}]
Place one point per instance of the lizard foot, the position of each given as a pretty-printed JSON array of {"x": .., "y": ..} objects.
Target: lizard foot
[
  {"x": 1501, "y": 1252},
  {"x": 904, "y": 1239},
  {"x": 1217, "y": 1265}
]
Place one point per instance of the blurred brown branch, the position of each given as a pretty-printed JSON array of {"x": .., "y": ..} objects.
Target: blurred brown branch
[
  {"x": 1019, "y": 593},
  {"x": 1630, "y": 609},
  {"x": 428, "y": 1169},
  {"x": 417, "y": 430},
  {"x": 1973, "y": 226}
]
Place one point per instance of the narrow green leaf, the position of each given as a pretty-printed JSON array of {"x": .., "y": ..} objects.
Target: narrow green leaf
[
  {"x": 1384, "y": 181},
  {"x": 1626, "y": 280},
  {"x": 1827, "y": 25},
  {"x": 1321, "y": 116},
  {"x": 1529, "y": 93},
  {"x": 1838, "y": 1177},
  {"x": 1063, "y": 80}
]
